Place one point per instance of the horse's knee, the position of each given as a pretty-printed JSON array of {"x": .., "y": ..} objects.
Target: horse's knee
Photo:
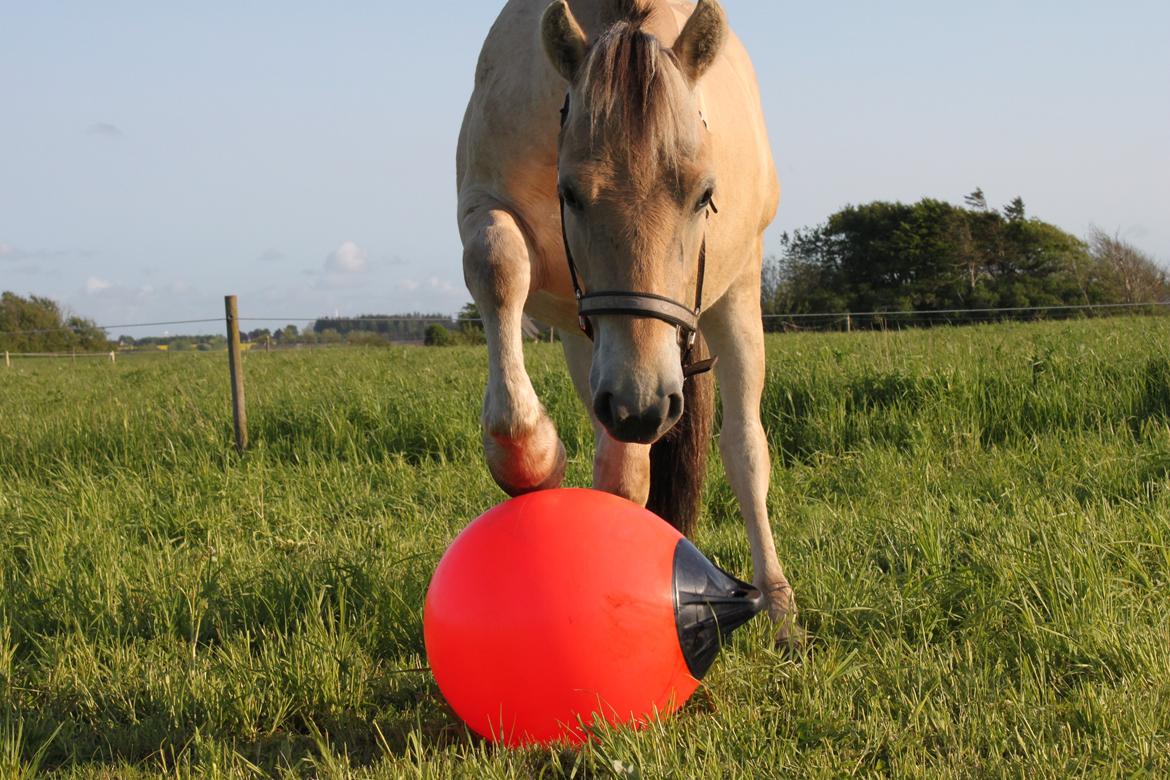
[
  {"x": 496, "y": 265},
  {"x": 512, "y": 412}
]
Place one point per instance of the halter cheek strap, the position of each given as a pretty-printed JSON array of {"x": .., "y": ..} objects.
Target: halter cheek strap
[{"x": 684, "y": 318}]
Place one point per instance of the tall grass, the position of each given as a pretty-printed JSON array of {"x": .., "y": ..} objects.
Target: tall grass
[{"x": 976, "y": 520}]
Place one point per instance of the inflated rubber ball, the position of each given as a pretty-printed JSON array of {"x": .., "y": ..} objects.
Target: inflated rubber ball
[{"x": 564, "y": 607}]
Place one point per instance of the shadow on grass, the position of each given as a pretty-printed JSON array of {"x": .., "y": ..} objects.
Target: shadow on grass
[
  {"x": 423, "y": 728},
  {"x": 414, "y": 721}
]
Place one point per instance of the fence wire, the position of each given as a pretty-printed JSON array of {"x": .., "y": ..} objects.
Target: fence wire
[{"x": 786, "y": 321}]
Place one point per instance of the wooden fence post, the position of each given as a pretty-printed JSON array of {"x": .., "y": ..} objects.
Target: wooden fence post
[
  {"x": 7, "y": 361},
  {"x": 113, "y": 357},
  {"x": 848, "y": 323},
  {"x": 235, "y": 366}
]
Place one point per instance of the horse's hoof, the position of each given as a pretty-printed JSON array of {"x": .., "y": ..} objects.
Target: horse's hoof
[
  {"x": 553, "y": 480},
  {"x": 791, "y": 638}
]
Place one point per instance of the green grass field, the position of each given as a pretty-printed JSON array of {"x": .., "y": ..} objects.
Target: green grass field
[{"x": 976, "y": 521}]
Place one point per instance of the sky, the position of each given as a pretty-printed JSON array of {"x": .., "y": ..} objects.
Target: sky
[{"x": 156, "y": 156}]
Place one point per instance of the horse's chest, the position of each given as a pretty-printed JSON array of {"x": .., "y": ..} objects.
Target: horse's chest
[{"x": 551, "y": 309}]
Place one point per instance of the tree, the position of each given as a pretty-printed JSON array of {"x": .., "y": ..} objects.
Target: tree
[
  {"x": 469, "y": 315},
  {"x": 976, "y": 200},
  {"x": 1134, "y": 274},
  {"x": 37, "y": 324},
  {"x": 1015, "y": 211},
  {"x": 438, "y": 336},
  {"x": 471, "y": 324}
]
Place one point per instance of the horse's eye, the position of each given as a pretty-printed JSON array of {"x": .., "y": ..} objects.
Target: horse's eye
[
  {"x": 705, "y": 201},
  {"x": 570, "y": 198}
]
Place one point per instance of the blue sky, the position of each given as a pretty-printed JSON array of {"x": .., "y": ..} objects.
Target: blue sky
[{"x": 155, "y": 157}]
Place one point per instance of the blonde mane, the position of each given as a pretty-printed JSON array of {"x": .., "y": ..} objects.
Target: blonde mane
[{"x": 630, "y": 83}]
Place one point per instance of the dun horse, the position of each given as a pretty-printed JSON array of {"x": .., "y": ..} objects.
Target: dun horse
[{"x": 615, "y": 180}]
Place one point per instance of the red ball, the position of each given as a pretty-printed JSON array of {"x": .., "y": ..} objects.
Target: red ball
[{"x": 564, "y": 605}]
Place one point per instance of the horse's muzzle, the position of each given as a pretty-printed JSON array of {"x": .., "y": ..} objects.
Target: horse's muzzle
[{"x": 637, "y": 426}]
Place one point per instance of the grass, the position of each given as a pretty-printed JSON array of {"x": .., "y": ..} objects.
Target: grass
[{"x": 976, "y": 520}]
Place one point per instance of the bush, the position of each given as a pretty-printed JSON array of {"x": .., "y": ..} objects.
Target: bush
[
  {"x": 438, "y": 336},
  {"x": 365, "y": 338}
]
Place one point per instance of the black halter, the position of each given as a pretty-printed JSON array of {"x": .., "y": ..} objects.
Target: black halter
[{"x": 639, "y": 304}]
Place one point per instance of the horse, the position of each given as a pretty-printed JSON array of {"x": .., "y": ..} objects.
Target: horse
[{"x": 598, "y": 139}]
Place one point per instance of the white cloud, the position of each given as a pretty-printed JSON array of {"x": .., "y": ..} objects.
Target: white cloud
[
  {"x": 29, "y": 263},
  {"x": 11, "y": 252},
  {"x": 337, "y": 281},
  {"x": 442, "y": 285},
  {"x": 94, "y": 285},
  {"x": 349, "y": 258},
  {"x": 99, "y": 289},
  {"x": 105, "y": 299},
  {"x": 104, "y": 129},
  {"x": 432, "y": 285}
]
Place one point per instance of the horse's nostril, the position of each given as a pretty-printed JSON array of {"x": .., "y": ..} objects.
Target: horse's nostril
[
  {"x": 603, "y": 408},
  {"x": 676, "y": 406}
]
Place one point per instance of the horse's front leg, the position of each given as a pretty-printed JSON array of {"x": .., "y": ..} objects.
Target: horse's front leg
[
  {"x": 522, "y": 448},
  {"x": 619, "y": 468},
  {"x": 734, "y": 330}
]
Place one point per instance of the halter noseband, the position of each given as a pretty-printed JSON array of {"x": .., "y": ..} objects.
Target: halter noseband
[{"x": 639, "y": 304}]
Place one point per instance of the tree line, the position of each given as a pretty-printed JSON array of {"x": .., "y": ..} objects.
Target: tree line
[
  {"x": 932, "y": 255},
  {"x": 39, "y": 324},
  {"x": 405, "y": 327}
]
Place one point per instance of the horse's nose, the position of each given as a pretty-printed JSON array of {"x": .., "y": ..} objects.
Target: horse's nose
[{"x": 642, "y": 426}]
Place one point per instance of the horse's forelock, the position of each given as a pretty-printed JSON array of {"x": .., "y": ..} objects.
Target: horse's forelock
[
  {"x": 635, "y": 11},
  {"x": 631, "y": 79}
]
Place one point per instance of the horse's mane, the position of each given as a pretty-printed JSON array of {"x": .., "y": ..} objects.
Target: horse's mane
[{"x": 629, "y": 79}]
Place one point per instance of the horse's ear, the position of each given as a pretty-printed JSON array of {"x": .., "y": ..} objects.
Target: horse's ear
[
  {"x": 564, "y": 41},
  {"x": 701, "y": 39}
]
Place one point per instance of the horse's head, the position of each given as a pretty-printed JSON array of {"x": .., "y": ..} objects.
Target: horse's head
[{"x": 636, "y": 178}]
